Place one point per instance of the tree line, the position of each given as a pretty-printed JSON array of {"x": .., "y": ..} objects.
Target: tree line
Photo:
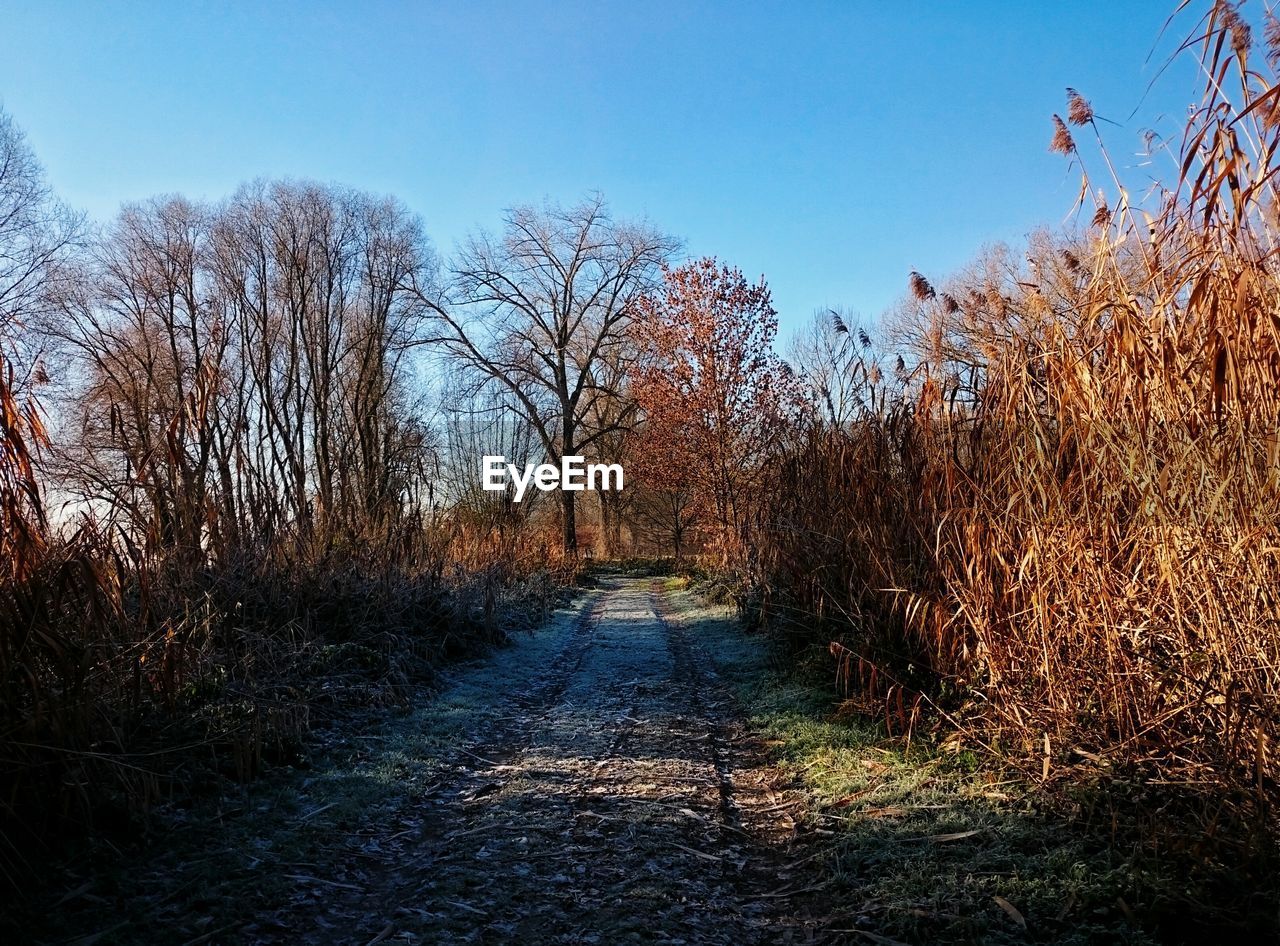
[
  {"x": 241, "y": 440},
  {"x": 286, "y": 369}
]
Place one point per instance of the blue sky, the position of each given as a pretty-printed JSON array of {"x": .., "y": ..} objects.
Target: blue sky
[{"x": 831, "y": 146}]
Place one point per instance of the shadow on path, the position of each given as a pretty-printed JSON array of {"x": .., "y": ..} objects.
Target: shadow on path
[{"x": 614, "y": 798}]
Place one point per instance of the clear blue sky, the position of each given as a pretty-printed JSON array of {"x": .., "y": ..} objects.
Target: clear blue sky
[{"x": 831, "y": 146}]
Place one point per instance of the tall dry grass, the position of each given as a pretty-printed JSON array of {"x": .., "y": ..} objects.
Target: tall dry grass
[
  {"x": 129, "y": 674},
  {"x": 1061, "y": 517}
]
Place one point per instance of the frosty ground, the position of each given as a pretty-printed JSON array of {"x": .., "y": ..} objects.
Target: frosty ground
[
  {"x": 640, "y": 769},
  {"x": 591, "y": 783}
]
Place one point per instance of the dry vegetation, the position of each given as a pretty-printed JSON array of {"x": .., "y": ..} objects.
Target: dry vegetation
[
  {"x": 131, "y": 672},
  {"x": 250, "y": 532},
  {"x": 1049, "y": 529},
  {"x": 1057, "y": 518}
]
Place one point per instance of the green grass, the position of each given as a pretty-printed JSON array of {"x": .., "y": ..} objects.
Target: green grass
[{"x": 923, "y": 844}]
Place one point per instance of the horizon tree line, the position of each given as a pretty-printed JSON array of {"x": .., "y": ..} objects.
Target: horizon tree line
[{"x": 294, "y": 371}]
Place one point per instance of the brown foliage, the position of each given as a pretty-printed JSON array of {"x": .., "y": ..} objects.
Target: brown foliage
[
  {"x": 1065, "y": 519},
  {"x": 712, "y": 393}
]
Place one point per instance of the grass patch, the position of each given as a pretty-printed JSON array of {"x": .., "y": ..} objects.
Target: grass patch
[{"x": 933, "y": 846}]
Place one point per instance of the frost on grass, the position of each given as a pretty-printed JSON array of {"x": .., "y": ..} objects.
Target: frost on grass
[
  {"x": 640, "y": 770},
  {"x": 590, "y": 783}
]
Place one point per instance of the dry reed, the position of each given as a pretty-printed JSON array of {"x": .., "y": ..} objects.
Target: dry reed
[{"x": 1062, "y": 522}]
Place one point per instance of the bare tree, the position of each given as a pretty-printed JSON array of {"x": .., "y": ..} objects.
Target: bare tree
[
  {"x": 314, "y": 280},
  {"x": 539, "y": 311},
  {"x": 834, "y": 359},
  {"x": 478, "y": 424},
  {"x": 614, "y": 419},
  {"x": 665, "y": 518},
  {"x": 151, "y": 352},
  {"x": 37, "y": 234},
  {"x": 245, "y": 370}
]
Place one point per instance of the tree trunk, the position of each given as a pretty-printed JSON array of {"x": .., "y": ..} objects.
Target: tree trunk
[
  {"x": 610, "y": 524},
  {"x": 567, "y": 496},
  {"x": 570, "y": 522}
]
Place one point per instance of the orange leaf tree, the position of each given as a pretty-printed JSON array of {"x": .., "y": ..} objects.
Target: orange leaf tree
[{"x": 713, "y": 393}]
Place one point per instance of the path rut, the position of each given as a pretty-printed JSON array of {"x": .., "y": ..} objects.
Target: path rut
[{"x": 617, "y": 798}]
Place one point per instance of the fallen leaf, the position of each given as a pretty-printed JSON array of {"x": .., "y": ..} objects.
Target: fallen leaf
[
  {"x": 1009, "y": 908},
  {"x": 956, "y": 836}
]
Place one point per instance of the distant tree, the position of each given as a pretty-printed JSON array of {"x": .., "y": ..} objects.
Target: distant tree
[
  {"x": 244, "y": 370},
  {"x": 477, "y": 426},
  {"x": 837, "y": 368},
  {"x": 614, "y": 418},
  {"x": 663, "y": 509},
  {"x": 541, "y": 310},
  {"x": 37, "y": 236},
  {"x": 713, "y": 394}
]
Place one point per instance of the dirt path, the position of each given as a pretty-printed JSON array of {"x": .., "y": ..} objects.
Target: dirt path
[{"x": 611, "y": 796}]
